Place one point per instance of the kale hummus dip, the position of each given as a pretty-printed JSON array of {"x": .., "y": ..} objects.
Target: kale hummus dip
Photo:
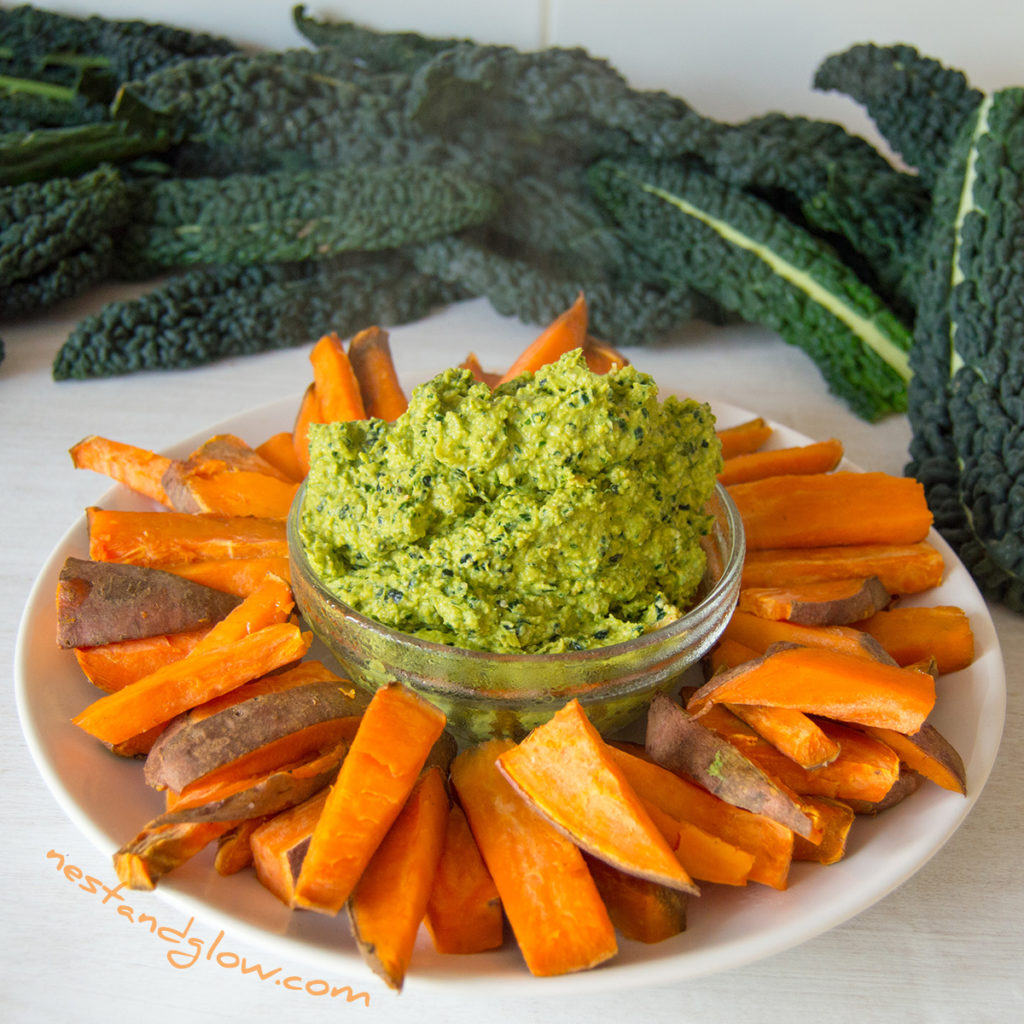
[{"x": 561, "y": 511}]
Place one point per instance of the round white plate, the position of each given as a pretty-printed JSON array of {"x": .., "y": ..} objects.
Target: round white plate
[{"x": 106, "y": 798}]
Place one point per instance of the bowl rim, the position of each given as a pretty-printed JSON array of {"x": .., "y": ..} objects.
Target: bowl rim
[{"x": 727, "y": 580}]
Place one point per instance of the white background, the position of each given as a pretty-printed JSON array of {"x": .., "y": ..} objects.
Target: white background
[{"x": 946, "y": 946}]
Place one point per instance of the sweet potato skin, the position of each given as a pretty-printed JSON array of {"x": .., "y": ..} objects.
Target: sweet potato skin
[
  {"x": 680, "y": 743},
  {"x": 188, "y": 750},
  {"x": 105, "y": 602}
]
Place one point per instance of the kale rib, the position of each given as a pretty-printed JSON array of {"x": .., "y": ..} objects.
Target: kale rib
[{"x": 738, "y": 250}]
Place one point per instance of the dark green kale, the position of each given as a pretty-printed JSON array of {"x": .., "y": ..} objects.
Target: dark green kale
[
  {"x": 209, "y": 314},
  {"x": 737, "y": 249},
  {"x": 44, "y": 153},
  {"x": 917, "y": 104},
  {"x": 69, "y": 276},
  {"x": 548, "y": 97},
  {"x": 966, "y": 398},
  {"x": 40, "y": 41},
  {"x": 287, "y": 216},
  {"x": 626, "y": 311},
  {"x": 43, "y": 222},
  {"x": 379, "y": 51}
]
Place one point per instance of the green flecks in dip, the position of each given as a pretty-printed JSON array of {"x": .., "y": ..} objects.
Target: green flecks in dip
[{"x": 561, "y": 511}]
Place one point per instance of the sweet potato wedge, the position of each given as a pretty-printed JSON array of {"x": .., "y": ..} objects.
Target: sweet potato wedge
[
  {"x": 768, "y": 843},
  {"x": 817, "y": 457},
  {"x": 908, "y": 783},
  {"x": 760, "y": 634},
  {"x": 748, "y": 436},
  {"x": 821, "y": 509},
  {"x": 110, "y": 667},
  {"x": 369, "y": 352},
  {"x": 864, "y": 768},
  {"x": 161, "y": 538},
  {"x": 834, "y": 684},
  {"x": 257, "y": 734},
  {"x": 835, "y": 819},
  {"x": 827, "y": 603},
  {"x": 279, "y": 845},
  {"x": 464, "y": 912},
  {"x": 390, "y": 900},
  {"x": 104, "y": 602},
  {"x": 558, "y": 918},
  {"x": 641, "y": 910},
  {"x": 902, "y": 568},
  {"x": 929, "y": 754},
  {"x": 563, "y": 770},
  {"x": 137, "y": 468},
  {"x": 396, "y": 735},
  {"x": 159, "y": 849},
  {"x": 269, "y": 793},
  {"x": 913, "y": 633},
  {"x": 681, "y": 743}
]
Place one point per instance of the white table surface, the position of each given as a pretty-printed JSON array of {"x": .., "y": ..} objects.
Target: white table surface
[{"x": 945, "y": 946}]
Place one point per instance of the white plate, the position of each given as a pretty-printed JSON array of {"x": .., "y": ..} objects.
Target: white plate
[{"x": 108, "y": 801}]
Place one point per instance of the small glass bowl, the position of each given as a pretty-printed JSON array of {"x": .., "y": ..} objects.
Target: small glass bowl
[{"x": 486, "y": 694}]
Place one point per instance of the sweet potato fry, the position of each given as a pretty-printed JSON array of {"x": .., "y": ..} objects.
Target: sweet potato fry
[
  {"x": 197, "y": 677},
  {"x": 914, "y": 633},
  {"x": 928, "y": 753},
  {"x": 390, "y": 900},
  {"x": 158, "y": 849},
  {"x": 238, "y": 576},
  {"x": 334, "y": 380},
  {"x": 390, "y": 747},
  {"x": 679, "y": 742},
  {"x": 279, "y": 451},
  {"x": 110, "y": 667},
  {"x": 641, "y": 910},
  {"x": 829, "y": 683},
  {"x": 826, "y": 603},
  {"x": 822, "y": 509},
  {"x": 566, "y": 332},
  {"x": 308, "y": 413},
  {"x": 550, "y": 899},
  {"x": 162, "y": 538},
  {"x": 864, "y": 769},
  {"x": 759, "y": 634},
  {"x": 790, "y": 732},
  {"x": 369, "y": 352},
  {"x": 464, "y": 912},
  {"x": 279, "y": 845},
  {"x": 105, "y": 602},
  {"x": 562, "y": 769},
  {"x": 138, "y": 469},
  {"x": 767, "y": 842},
  {"x": 749, "y": 436},
  {"x": 472, "y": 363},
  {"x": 817, "y": 457},
  {"x": 835, "y": 819}
]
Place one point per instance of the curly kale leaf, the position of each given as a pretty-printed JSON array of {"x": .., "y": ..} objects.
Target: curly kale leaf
[
  {"x": 966, "y": 399},
  {"x": 304, "y": 215},
  {"x": 627, "y": 311},
  {"x": 740, "y": 251},
  {"x": 551, "y": 94},
  {"x": 204, "y": 315},
  {"x": 380, "y": 51},
  {"x": 43, "y": 222},
  {"x": 917, "y": 104}
]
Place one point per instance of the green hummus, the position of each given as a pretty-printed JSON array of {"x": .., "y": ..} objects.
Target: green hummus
[{"x": 562, "y": 511}]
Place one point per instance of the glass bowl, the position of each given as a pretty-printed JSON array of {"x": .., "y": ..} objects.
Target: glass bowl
[{"x": 486, "y": 694}]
